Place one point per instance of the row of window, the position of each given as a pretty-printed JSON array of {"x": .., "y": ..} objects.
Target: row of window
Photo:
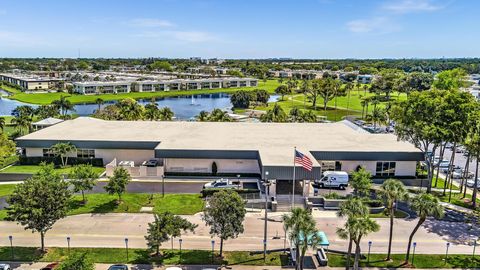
[
  {"x": 383, "y": 168},
  {"x": 81, "y": 153}
]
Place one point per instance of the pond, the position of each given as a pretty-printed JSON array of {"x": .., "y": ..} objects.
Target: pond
[{"x": 184, "y": 107}]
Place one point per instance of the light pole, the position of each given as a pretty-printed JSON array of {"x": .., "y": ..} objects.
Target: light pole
[
  {"x": 126, "y": 247},
  {"x": 11, "y": 246},
  {"x": 68, "y": 244},
  {"x": 213, "y": 251},
  {"x": 369, "y": 247},
  {"x": 413, "y": 256},
  {"x": 180, "y": 243},
  {"x": 446, "y": 253},
  {"x": 474, "y": 246},
  {"x": 266, "y": 184}
]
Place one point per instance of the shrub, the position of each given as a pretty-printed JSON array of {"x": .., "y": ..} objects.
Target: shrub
[{"x": 210, "y": 191}]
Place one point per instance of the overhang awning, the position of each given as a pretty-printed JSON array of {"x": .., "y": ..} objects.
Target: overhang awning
[{"x": 321, "y": 235}]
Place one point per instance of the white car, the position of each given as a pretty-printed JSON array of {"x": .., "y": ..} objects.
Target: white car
[
  {"x": 5, "y": 266},
  {"x": 471, "y": 183},
  {"x": 222, "y": 183}
]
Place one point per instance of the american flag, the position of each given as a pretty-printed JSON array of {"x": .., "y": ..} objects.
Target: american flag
[{"x": 303, "y": 160}]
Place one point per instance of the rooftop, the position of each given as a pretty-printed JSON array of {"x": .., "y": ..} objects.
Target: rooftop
[{"x": 273, "y": 141}]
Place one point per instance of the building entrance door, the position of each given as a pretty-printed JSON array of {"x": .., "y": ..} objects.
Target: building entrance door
[{"x": 285, "y": 187}]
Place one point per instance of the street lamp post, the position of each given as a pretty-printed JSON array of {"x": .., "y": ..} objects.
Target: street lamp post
[
  {"x": 68, "y": 244},
  {"x": 11, "y": 246},
  {"x": 126, "y": 247},
  {"x": 180, "y": 243},
  {"x": 213, "y": 251},
  {"x": 474, "y": 246},
  {"x": 446, "y": 253},
  {"x": 266, "y": 184},
  {"x": 369, "y": 247},
  {"x": 413, "y": 255}
]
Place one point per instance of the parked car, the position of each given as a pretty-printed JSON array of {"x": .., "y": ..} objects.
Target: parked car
[
  {"x": 51, "y": 266},
  {"x": 4, "y": 266},
  {"x": 222, "y": 183},
  {"x": 471, "y": 183},
  {"x": 150, "y": 163},
  {"x": 447, "y": 170},
  {"x": 335, "y": 179},
  {"x": 118, "y": 267}
]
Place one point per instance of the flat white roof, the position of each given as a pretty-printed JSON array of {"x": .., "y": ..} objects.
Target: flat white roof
[{"x": 274, "y": 141}]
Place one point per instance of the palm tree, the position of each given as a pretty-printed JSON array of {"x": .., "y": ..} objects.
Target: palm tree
[
  {"x": 151, "y": 111},
  {"x": 352, "y": 208},
  {"x": 300, "y": 226},
  {"x": 23, "y": 124},
  {"x": 378, "y": 116},
  {"x": 426, "y": 205},
  {"x": 62, "y": 150},
  {"x": 2, "y": 123},
  {"x": 361, "y": 227},
  {"x": 348, "y": 89},
  {"x": 130, "y": 109},
  {"x": 99, "y": 102},
  {"x": 276, "y": 114},
  {"x": 202, "y": 116},
  {"x": 63, "y": 104},
  {"x": 217, "y": 115},
  {"x": 166, "y": 114},
  {"x": 392, "y": 191}
]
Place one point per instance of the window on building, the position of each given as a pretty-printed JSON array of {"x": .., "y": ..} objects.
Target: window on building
[
  {"x": 331, "y": 166},
  {"x": 85, "y": 153},
  {"x": 385, "y": 168},
  {"x": 47, "y": 152}
]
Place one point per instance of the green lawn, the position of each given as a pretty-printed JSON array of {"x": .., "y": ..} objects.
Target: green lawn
[
  {"x": 142, "y": 256},
  {"x": 9, "y": 89},
  {"x": 398, "y": 214},
  {"x": 47, "y": 98},
  {"x": 180, "y": 204},
  {"x": 421, "y": 261},
  {"x": 34, "y": 168},
  {"x": 441, "y": 184},
  {"x": 6, "y": 189},
  {"x": 456, "y": 199}
]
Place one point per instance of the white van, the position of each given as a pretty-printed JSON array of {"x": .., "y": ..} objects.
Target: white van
[{"x": 333, "y": 179}]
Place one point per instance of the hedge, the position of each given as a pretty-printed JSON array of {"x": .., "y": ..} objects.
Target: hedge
[
  {"x": 96, "y": 162},
  {"x": 207, "y": 192}
]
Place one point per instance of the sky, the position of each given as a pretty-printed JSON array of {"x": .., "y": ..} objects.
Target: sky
[{"x": 314, "y": 29}]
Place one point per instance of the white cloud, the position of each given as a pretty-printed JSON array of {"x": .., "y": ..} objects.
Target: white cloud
[
  {"x": 378, "y": 25},
  {"x": 148, "y": 22},
  {"x": 410, "y": 6}
]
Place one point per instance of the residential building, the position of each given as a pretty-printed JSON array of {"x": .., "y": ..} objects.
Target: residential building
[{"x": 31, "y": 82}]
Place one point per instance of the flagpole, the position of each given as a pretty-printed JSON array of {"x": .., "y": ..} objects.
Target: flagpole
[{"x": 293, "y": 183}]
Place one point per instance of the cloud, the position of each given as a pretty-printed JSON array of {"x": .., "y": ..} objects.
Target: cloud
[
  {"x": 152, "y": 23},
  {"x": 378, "y": 25},
  {"x": 411, "y": 6}
]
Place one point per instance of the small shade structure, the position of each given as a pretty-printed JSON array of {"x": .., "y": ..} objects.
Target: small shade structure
[{"x": 324, "y": 240}]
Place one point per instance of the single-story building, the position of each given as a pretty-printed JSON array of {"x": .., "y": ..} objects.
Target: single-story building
[
  {"x": 230, "y": 149},
  {"x": 47, "y": 122}
]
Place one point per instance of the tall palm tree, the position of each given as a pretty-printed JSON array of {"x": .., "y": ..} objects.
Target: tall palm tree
[
  {"x": 276, "y": 114},
  {"x": 202, "y": 116},
  {"x": 361, "y": 227},
  {"x": 300, "y": 225},
  {"x": 2, "y": 123},
  {"x": 151, "y": 111},
  {"x": 23, "y": 124},
  {"x": 352, "y": 208},
  {"x": 392, "y": 191},
  {"x": 130, "y": 109},
  {"x": 166, "y": 114},
  {"x": 348, "y": 89},
  {"x": 62, "y": 150},
  {"x": 99, "y": 102},
  {"x": 63, "y": 104},
  {"x": 425, "y": 205}
]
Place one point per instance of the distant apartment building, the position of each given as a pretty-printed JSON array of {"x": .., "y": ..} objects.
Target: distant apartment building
[
  {"x": 93, "y": 87},
  {"x": 31, "y": 82}
]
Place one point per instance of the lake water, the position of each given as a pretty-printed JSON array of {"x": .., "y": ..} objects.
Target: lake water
[{"x": 184, "y": 107}]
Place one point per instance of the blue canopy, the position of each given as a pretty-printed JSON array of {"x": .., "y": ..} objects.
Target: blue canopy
[{"x": 320, "y": 234}]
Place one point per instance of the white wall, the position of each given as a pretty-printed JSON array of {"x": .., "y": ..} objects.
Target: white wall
[
  {"x": 402, "y": 168},
  {"x": 205, "y": 165},
  {"x": 138, "y": 156}
]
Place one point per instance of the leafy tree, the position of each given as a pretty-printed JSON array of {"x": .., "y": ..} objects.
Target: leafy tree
[
  {"x": 225, "y": 215},
  {"x": 40, "y": 201},
  {"x": 240, "y": 99},
  {"x": 361, "y": 181},
  {"x": 276, "y": 114},
  {"x": 378, "y": 116},
  {"x": 418, "y": 81},
  {"x": 259, "y": 96},
  {"x": 386, "y": 82},
  {"x": 426, "y": 205},
  {"x": 300, "y": 225},
  {"x": 351, "y": 209},
  {"x": 77, "y": 261},
  {"x": 328, "y": 90},
  {"x": 2, "y": 123},
  {"x": 45, "y": 111},
  {"x": 160, "y": 65},
  {"x": 117, "y": 183},
  {"x": 450, "y": 79},
  {"x": 202, "y": 116},
  {"x": 62, "y": 150},
  {"x": 151, "y": 111},
  {"x": 165, "y": 226},
  {"x": 282, "y": 90},
  {"x": 417, "y": 120},
  {"x": 83, "y": 178},
  {"x": 392, "y": 191},
  {"x": 130, "y": 109},
  {"x": 99, "y": 102},
  {"x": 472, "y": 143},
  {"x": 7, "y": 150},
  {"x": 217, "y": 115},
  {"x": 23, "y": 111},
  {"x": 22, "y": 123}
]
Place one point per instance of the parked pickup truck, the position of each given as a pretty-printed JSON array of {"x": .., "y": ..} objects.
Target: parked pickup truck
[{"x": 222, "y": 183}]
